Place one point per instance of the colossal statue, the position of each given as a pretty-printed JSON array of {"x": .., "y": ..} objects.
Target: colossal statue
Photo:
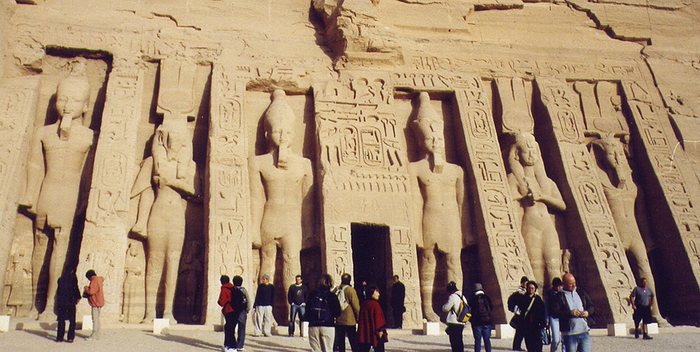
[
  {"x": 438, "y": 197},
  {"x": 536, "y": 194},
  {"x": 281, "y": 194},
  {"x": 621, "y": 193},
  {"x": 56, "y": 161},
  {"x": 172, "y": 178}
]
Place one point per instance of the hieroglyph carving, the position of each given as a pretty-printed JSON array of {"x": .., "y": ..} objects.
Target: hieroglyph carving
[
  {"x": 56, "y": 162},
  {"x": 228, "y": 243},
  {"x": 653, "y": 129},
  {"x": 502, "y": 243},
  {"x": 105, "y": 236},
  {"x": 585, "y": 190},
  {"x": 403, "y": 261},
  {"x": 18, "y": 100},
  {"x": 438, "y": 190}
]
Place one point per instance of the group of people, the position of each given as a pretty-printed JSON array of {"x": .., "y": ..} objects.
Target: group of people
[
  {"x": 333, "y": 313},
  {"x": 68, "y": 296}
]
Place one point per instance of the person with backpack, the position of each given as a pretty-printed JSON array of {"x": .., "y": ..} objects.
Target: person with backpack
[
  {"x": 322, "y": 308},
  {"x": 481, "y": 307},
  {"x": 242, "y": 304},
  {"x": 454, "y": 326},
  {"x": 230, "y": 314},
  {"x": 371, "y": 328},
  {"x": 350, "y": 311},
  {"x": 296, "y": 297}
]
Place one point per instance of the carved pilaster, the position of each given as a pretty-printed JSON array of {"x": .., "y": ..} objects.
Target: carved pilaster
[
  {"x": 105, "y": 235},
  {"x": 18, "y": 100},
  {"x": 599, "y": 249},
  {"x": 498, "y": 234},
  {"x": 680, "y": 235},
  {"x": 403, "y": 254},
  {"x": 227, "y": 193}
]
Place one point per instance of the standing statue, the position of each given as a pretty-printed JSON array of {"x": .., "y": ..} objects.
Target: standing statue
[
  {"x": 281, "y": 191},
  {"x": 438, "y": 197},
  {"x": 537, "y": 194},
  {"x": 621, "y": 192},
  {"x": 133, "y": 284},
  {"x": 56, "y": 161},
  {"x": 172, "y": 178}
]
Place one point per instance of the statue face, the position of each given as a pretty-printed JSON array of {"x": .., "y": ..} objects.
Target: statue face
[
  {"x": 433, "y": 140},
  {"x": 614, "y": 154},
  {"x": 71, "y": 101},
  {"x": 281, "y": 134},
  {"x": 528, "y": 153}
]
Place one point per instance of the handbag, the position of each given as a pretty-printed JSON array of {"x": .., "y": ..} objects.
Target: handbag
[
  {"x": 546, "y": 336},
  {"x": 515, "y": 321}
]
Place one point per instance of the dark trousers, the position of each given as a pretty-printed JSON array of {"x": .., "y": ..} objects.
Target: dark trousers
[
  {"x": 63, "y": 315},
  {"x": 454, "y": 331},
  {"x": 518, "y": 339},
  {"x": 533, "y": 340},
  {"x": 242, "y": 318},
  {"x": 398, "y": 316},
  {"x": 365, "y": 347},
  {"x": 230, "y": 329},
  {"x": 340, "y": 332}
]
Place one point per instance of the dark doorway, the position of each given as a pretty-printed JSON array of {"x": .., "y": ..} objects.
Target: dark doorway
[{"x": 371, "y": 258}]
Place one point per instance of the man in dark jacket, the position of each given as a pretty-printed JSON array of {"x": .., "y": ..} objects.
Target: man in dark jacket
[
  {"x": 296, "y": 297},
  {"x": 398, "y": 295},
  {"x": 481, "y": 317},
  {"x": 322, "y": 309},
  {"x": 517, "y": 303},
  {"x": 67, "y": 296},
  {"x": 573, "y": 307},
  {"x": 264, "y": 299}
]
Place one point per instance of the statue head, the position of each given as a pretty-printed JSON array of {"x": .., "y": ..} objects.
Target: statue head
[
  {"x": 428, "y": 127},
  {"x": 527, "y": 150},
  {"x": 173, "y": 137},
  {"x": 613, "y": 151},
  {"x": 73, "y": 92},
  {"x": 279, "y": 120}
]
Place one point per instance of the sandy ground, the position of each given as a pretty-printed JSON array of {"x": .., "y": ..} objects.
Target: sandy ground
[{"x": 34, "y": 337}]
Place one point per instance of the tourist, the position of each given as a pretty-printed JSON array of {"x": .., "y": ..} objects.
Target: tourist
[
  {"x": 230, "y": 314},
  {"x": 454, "y": 327},
  {"x": 247, "y": 305},
  {"x": 642, "y": 298},
  {"x": 534, "y": 319},
  {"x": 321, "y": 312},
  {"x": 371, "y": 330},
  {"x": 296, "y": 297},
  {"x": 573, "y": 307},
  {"x": 553, "y": 320},
  {"x": 95, "y": 295},
  {"x": 264, "y": 299},
  {"x": 398, "y": 295},
  {"x": 67, "y": 296},
  {"x": 481, "y": 306},
  {"x": 515, "y": 305},
  {"x": 345, "y": 324}
]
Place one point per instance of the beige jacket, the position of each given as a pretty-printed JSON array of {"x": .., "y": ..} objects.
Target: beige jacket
[{"x": 348, "y": 317}]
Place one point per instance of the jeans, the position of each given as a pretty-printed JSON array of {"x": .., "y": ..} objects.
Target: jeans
[
  {"x": 340, "y": 332},
  {"x": 321, "y": 338},
  {"x": 578, "y": 342},
  {"x": 230, "y": 329},
  {"x": 482, "y": 331},
  {"x": 454, "y": 331},
  {"x": 294, "y": 311},
  {"x": 242, "y": 318},
  {"x": 556, "y": 335}
]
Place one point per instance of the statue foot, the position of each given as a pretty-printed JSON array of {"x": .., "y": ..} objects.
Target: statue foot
[
  {"x": 663, "y": 323},
  {"x": 170, "y": 317},
  {"x": 148, "y": 319},
  {"x": 431, "y": 316}
]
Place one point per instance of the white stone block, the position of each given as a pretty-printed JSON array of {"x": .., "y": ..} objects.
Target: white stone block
[
  {"x": 304, "y": 329},
  {"x": 617, "y": 329},
  {"x": 504, "y": 331},
  {"x": 159, "y": 325},
  {"x": 5, "y": 323},
  {"x": 87, "y": 322},
  {"x": 653, "y": 328},
  {"x": 431, "y": 328}
]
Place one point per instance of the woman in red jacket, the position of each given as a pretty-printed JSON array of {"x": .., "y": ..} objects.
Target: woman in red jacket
[{"x": 371, "y": 324}]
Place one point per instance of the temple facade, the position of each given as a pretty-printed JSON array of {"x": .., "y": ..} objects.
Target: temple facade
[{"x": 166, "y": 143}]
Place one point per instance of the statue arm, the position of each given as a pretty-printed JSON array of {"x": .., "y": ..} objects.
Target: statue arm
[
  {"x": 257, "y": 199},
  {"x": 462, "y": 203},
  {"x": 186, "y": 177},
  {"x": 552, "y": 197},
  {"x": 307, "y": 208},
  {"x": 416, "y": 206},
  {"x": 35, "y": 171}
]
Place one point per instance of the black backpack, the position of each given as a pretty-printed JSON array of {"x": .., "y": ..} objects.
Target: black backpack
[
  {"x": 318, "y": 310},
  {"x": 239, "y": 302},
  {"x": 483, "y": 309}
]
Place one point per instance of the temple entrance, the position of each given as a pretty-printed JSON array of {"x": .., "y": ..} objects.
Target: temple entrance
[{"x": 371, "y": 259}]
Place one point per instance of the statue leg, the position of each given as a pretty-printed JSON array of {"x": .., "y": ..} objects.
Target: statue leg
[
  {"x": 39, "y": 269},
  {"x": 427, "y": 279},
  {"x": 291, "y": 249},
  {"x": 552, "y": 257},
  {"x": 534, "y": 251},
  {"x": 454, "y": 267},
  {"x": 639, "y": 252},
  {"x": 268, "y": 253},
  {"x": 172, "y": 267},
  {"x": 61, "y": 238},
  {"x": 154, "y": 274}
]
